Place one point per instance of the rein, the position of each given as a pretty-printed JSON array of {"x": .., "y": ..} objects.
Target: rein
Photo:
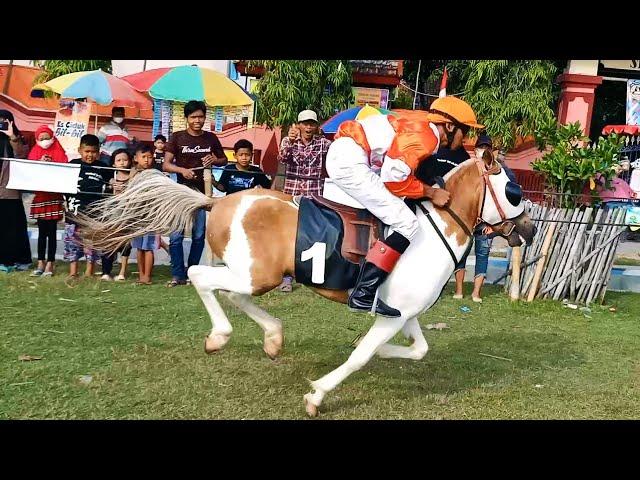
[{"x": 484, "y": 174}]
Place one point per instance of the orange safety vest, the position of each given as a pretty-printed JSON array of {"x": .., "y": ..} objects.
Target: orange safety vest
[{"x": 414, "y": 141}]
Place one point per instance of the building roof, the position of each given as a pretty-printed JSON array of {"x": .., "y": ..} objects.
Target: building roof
[
  {"x": 21, "y": 79},
  {"x": 376, "y": 73}
]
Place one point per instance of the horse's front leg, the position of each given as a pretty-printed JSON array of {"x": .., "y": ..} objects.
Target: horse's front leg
[
  {"x": 416, "y": 351},
  {"x": 380, "y": 333}
]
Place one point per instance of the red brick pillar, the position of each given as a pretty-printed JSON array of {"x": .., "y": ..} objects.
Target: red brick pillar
[{"x": 577, "y": 99}]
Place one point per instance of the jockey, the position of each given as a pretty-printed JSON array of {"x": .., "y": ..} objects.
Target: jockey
[{"x": 374, "y": 161}]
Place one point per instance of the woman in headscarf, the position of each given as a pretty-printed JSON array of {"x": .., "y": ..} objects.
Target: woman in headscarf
[
  {"x": 47, "y": 207},
  {"x": 15, "y": 251}
]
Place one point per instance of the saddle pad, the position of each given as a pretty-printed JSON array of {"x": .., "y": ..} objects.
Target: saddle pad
[{"x": 319, "y": 261}]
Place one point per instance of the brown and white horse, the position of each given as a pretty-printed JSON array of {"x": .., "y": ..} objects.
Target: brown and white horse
[{"x": 254, "y": 233}]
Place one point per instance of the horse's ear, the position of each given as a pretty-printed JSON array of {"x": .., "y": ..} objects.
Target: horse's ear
[{"x": 487, "y": 156}]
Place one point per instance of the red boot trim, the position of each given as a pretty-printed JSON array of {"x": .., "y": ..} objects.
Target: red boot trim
[{"x": 383, "y": 256}]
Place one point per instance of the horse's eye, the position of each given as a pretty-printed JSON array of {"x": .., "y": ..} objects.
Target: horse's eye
[{"x": 513, "y": 191}]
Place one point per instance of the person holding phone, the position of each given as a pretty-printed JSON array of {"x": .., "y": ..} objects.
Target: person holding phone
[
  {"x": 47, "y": 208},
  {"x": 15, "y": 251}
]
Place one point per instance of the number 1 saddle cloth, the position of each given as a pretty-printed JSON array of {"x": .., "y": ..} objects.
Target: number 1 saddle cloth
[{"x": 331, "y": 240}]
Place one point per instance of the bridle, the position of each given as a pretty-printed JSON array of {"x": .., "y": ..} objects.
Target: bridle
[
  {"x": 505, "y": 227},
  {"x": 484, "y": 172}
]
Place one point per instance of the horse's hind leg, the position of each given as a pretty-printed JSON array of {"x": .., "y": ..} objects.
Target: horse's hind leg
[
  {"x": 206, "y": 280},
  {"x": 416, "y": 351},
  {"x": 273, "y": 338},
  {"x": 380, "y": 333}
]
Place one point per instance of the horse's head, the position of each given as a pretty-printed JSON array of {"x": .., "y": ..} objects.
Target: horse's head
[{"x": 501, "y": 205}]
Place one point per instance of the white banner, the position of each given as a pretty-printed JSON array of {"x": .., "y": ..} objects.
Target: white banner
[{"x": 39, "y": 176}]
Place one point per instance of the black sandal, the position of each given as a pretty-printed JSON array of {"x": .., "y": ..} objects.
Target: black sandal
[{"x": 175, "y": 283}]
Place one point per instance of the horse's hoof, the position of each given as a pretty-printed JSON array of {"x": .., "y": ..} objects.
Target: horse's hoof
[
  {"x": 311, "y": 409},
  {"x": 213, "y": 344},
  {"x": 273, "y": 345}
]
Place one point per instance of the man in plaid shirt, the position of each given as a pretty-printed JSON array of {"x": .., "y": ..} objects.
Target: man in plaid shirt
[{"x": 304, "y": 153}]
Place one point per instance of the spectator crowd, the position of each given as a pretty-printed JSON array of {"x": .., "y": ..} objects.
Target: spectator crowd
[
  {"x": 111, "y": 158},
  {"x": 107, "y": 163}
]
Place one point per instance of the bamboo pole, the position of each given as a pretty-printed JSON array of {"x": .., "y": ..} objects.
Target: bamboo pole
[
  {"x": 565, "y": 249},
  {"x": 603, "y": 261},
  {"x": 510, "y": 271},
  {"x": 576, "y": 238},
  {"x": 530, "y": 251},
  {"x": 540, "y": 240},
  {"x": 594, "y": 240},
  {"x": 603, "y": 290},
  {"x": 588, "y": 244},
  {"x": 556, "y": 244},
  {"x": 602, "y": 287},
  {"x": 515, "y": 280},
  {"x": 586, "y": 259},
  {"x": 599, "y": 263},
  {"x": 540, "y": 266}
]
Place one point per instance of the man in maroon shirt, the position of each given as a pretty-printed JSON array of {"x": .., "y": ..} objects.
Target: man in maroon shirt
[{"x": 185, "y": 151}]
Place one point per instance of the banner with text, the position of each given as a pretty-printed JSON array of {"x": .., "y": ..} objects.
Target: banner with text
[
  {"x": 72, "y": 122},
  {"x": 374, "y": 97}
]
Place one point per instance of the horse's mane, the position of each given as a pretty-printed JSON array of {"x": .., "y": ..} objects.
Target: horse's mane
[{"x": 458, "y": 168}]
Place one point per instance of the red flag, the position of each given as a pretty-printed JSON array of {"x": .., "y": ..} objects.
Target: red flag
[{"x": 443, "y": 84}]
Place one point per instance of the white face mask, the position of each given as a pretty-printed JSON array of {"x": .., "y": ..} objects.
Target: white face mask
[
  {"x": 118, "y": 119},
  {"x": 45, "y": 143},
  {"x": 479, "y": 153}
]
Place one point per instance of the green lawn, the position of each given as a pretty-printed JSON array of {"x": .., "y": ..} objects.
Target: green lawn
[{"x": 143, "y": 347}]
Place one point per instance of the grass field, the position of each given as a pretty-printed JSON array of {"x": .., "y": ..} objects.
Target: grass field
[{"x": 143, "y": 348}]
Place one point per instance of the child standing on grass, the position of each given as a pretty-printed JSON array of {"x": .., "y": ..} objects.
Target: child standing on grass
[
  {"x": 119, "y": 159},
  {"x": 92, "y": 182},
  {"x": 145, "y": 244},
  {"x": 47, "y": 207}
]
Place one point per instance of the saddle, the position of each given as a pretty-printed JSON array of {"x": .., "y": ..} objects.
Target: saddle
[
  {"x": 361, "y": 228},
  {"x": 331, "y": 241}
]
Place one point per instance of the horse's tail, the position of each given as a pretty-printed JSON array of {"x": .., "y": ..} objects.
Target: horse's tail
[{"x": 150, "y": 203}]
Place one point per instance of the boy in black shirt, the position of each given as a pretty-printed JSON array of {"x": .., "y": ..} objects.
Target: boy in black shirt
[
  {"x": 158, "y": 154},
  {"x": 91, "y": 182},
  {"x": 242, "y": 175}
]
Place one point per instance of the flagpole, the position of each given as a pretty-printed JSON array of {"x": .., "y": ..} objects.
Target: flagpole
[
  {"x": 443, "y": 83},
  {"x": 415, "y": 94}
]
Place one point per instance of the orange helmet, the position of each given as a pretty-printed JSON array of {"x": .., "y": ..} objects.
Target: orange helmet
[{"x": 453, "y": 110}]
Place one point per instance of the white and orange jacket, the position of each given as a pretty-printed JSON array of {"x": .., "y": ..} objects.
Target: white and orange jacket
[{"x": 395, "y": 147}]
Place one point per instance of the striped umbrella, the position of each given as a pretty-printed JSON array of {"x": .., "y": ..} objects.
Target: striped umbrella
[
  {"x": 96, "y": 85},
  {"x": 190, "y": 82},
  {"x": 354, "y": 113}
]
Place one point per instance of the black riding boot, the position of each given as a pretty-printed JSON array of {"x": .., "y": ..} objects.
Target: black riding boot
[{"x": 379, "y": 262}]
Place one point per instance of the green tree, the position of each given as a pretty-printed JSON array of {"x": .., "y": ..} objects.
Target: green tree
[
  {"x": 570, "y": 164},
  {"x": 55, "y": 68},
  {"x": 511, "y": 97},
  {"x": 289, "y": 86}
]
